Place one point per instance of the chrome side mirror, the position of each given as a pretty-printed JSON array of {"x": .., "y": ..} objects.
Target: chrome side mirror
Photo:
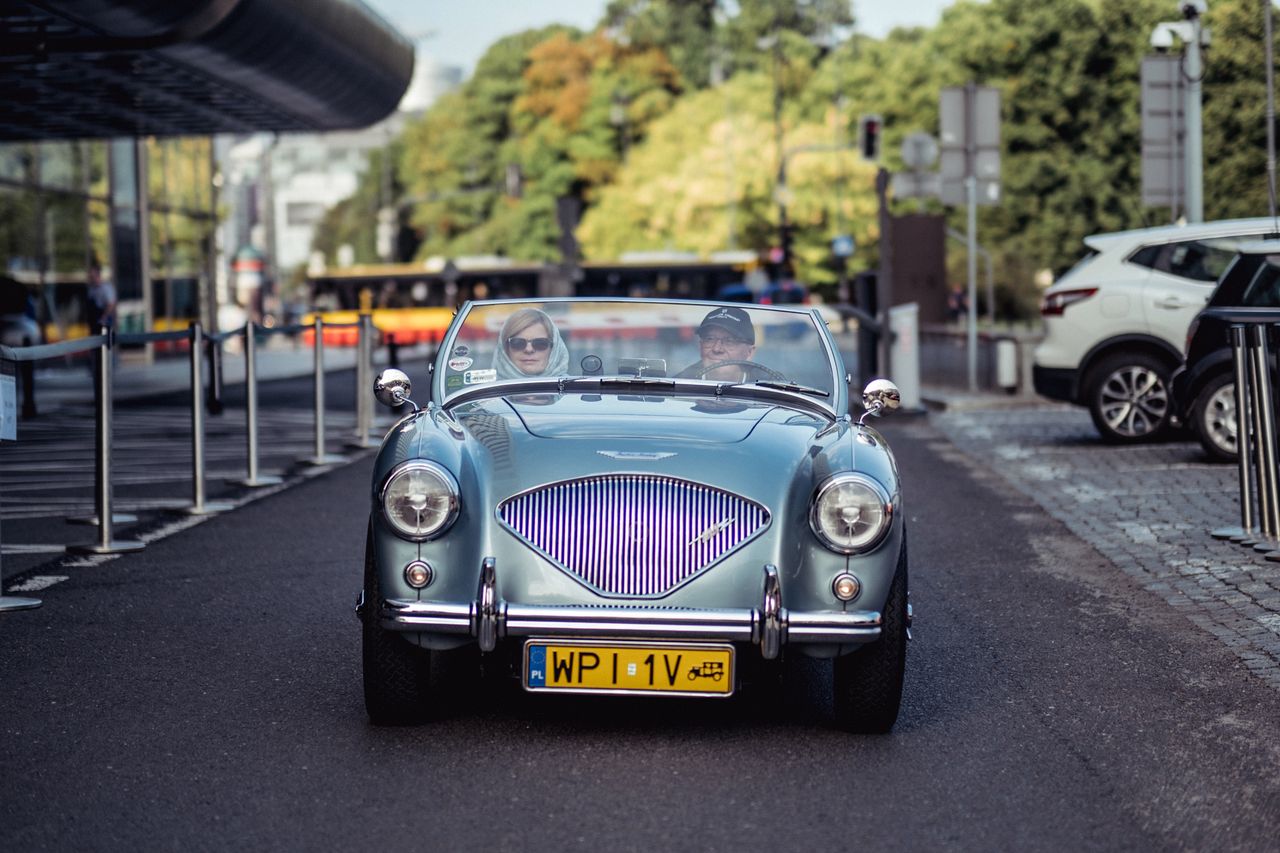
[
  {"x": 392, "y": 388},
  {"x": 878, "y": 397}
]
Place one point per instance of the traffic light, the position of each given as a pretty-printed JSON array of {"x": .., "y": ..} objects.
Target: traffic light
[{"x": 869, "y": 137}]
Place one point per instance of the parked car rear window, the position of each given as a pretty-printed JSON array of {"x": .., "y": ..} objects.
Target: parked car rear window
[
  {"x": 1264, "y": 290},
  {"x": 1147, "y": 256},
  {"x": 1198, "y": 261}
]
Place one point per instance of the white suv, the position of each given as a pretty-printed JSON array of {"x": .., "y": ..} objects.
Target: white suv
[{"x": 1116, "y": 323}]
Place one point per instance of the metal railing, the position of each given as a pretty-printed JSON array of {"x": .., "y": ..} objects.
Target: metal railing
[
  {"x": 1004, "y": 358},
  {"x": 102, "y": 347},
  {"x": 1250, "y": 332}
]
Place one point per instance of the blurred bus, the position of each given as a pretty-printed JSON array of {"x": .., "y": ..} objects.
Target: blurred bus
[{"x": 414, "y": 302}]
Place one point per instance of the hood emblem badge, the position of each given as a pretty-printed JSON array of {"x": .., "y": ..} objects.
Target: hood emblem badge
[
  {"x": 711, "y": 532},
  {"x": 635, "y": 454}
]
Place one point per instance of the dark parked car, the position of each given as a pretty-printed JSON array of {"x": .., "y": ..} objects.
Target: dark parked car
[{"x": 1204, "y": 387}]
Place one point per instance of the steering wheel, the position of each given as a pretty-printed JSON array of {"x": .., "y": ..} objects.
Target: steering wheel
[{"x": 769, "y": 373}]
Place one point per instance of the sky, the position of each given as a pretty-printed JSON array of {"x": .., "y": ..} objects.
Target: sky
[{"x": 458, "y": 33}]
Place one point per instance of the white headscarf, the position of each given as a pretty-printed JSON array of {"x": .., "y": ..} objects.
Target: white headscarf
[{"x": 557, "y": 362}]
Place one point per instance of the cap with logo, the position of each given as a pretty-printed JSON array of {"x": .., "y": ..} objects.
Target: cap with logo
[{"x": 735, "y": 321}]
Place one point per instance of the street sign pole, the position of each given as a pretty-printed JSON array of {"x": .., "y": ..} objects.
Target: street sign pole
[
  {"x": 969, "y": 116},
  {"x": 971, "y": 193}
]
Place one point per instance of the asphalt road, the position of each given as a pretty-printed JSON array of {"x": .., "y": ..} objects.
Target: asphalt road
[{"x": 205, "y": 694}]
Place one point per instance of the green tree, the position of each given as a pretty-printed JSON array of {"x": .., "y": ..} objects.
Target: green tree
[{"x": 684, "y": 30}]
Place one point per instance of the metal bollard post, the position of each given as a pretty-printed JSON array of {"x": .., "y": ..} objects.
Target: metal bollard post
[
  {"x": 1264, "y": 416},
  {"x": 364, "y": 384},
  {"x": 199, "y": 506},
  {"x": 320, "y": 457},
  {"x": 1246, "y": 532},
  {"x": 92, "y": 518},
  {"x": 106, "y": 543},
  {"x": 213, "y": 394},
  {"x": 255, "y": 479}
]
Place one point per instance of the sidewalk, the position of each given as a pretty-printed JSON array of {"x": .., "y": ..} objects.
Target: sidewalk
[
  {"x": 938, "y": 398},
  {"x": 1147, "y": 508}
]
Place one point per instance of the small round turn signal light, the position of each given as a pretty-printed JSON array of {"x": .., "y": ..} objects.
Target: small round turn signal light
[
  {"x": 418, "y": 574},
  {"x": 846, "y": 587}
]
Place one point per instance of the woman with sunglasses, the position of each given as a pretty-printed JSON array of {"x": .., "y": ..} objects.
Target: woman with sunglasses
[{"x": 530, "y": 345}]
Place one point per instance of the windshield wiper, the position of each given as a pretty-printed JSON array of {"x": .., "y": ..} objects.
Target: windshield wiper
[
  {"x": 638, "y": 381},
  {"x": 792, "y": 386}
]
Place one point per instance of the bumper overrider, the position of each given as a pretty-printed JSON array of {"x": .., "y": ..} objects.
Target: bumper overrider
[{"x": 489, "y": 619}]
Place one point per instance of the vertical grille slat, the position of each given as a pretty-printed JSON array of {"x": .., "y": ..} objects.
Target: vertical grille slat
[{"x": 633, "y": 534}]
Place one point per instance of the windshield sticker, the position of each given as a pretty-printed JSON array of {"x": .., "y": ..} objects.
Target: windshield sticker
[
  {"x": 459, "y": 363},
  {"x": 453, "y": 382},
  {"x": 479, "y": 377},
  {"x": 461, "y": 350}
]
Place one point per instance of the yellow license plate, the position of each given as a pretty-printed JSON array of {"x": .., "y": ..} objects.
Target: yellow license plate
[{"x": 668, "y": 668}]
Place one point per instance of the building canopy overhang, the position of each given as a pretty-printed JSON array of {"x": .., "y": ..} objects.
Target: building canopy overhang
[{"x": 107, "y": 68}]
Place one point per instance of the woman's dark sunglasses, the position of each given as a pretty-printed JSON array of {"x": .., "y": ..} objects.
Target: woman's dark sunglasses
[{"x": 538, "y": 344}]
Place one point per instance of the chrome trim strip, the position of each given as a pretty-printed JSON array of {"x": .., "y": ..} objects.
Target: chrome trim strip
[
  {"x": 850, "y": 626},
  {"x": 526, "y": 620},
  {"x": 772, "y": 625},
  {"x": 436, "y": 617},
  {"x": 731, "y": 625},
  {"x": 487, "y": 606}
]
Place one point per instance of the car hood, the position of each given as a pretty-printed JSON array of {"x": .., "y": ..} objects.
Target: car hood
[
  {"x": 688, "y": 419},
  {"x": 736, "y": 444}
]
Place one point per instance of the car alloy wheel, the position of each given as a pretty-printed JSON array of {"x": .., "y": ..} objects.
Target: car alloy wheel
[
  {"x": 1131, "y": 400},
  {"x": 1215, "y": 419}
]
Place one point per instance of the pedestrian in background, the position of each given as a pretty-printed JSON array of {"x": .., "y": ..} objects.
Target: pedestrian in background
[
  {"x": 101, "y": 302},
  {"x": 957, "y": 304}
]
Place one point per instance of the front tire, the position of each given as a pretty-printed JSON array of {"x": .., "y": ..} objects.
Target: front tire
[
  {"x": 1214, "y": 418},
  {"x": 397, "y": 674},
  {"x": 1128, "y": 397},
  {"x": 867, "y": 684}
]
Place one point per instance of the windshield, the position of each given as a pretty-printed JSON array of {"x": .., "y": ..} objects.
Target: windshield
[{"x": 513, "y": 341}]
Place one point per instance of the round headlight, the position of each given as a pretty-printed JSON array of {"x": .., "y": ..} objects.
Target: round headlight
[
  {"x": 420, "y": 500},
  {"x": 851, "y": 513}
]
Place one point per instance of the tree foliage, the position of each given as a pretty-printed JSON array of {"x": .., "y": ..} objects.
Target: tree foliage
[{"x": 629, "y": 120}]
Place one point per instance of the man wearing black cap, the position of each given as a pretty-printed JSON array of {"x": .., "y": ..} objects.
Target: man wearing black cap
[{"x": 725, "y": 335}]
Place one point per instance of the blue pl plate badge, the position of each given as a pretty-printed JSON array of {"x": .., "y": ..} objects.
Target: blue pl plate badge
[{"x": 537, "y": 666}]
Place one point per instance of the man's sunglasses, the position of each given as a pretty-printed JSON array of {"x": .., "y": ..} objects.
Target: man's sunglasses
[
  {"x": 538, "y": 344},
  {"x": 723, "y": 340}
]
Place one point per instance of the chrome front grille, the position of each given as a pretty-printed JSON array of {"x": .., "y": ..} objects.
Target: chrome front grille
[{"x": 633, "y": 534}]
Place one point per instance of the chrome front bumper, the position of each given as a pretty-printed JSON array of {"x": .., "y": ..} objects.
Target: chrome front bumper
[{"x": 770, "y": 626}]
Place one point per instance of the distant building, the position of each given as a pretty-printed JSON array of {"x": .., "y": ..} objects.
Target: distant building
[{"x": 278, "y": 189}]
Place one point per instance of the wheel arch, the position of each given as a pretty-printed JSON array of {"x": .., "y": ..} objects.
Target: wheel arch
[{"x": 1147, "y": 344}]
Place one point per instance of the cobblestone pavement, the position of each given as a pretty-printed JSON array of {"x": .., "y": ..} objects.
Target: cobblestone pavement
[{"x": 1148, "y": 508}]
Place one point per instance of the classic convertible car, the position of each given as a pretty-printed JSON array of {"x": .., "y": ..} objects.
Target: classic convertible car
[{"x": 636, "y": 497}]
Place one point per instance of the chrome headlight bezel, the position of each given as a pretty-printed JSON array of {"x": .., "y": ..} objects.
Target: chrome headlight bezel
[
  {"x": 877, "y": 532},
  {"x": 448, "y": 489}
]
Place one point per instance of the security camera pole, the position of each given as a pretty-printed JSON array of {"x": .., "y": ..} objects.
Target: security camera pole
[
  {"x": 1194, "y": 38},
  {"x": 1195, "y": 72}
]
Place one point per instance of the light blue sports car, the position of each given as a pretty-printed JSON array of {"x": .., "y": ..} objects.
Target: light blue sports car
[{"x": 641, "y": 497}]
